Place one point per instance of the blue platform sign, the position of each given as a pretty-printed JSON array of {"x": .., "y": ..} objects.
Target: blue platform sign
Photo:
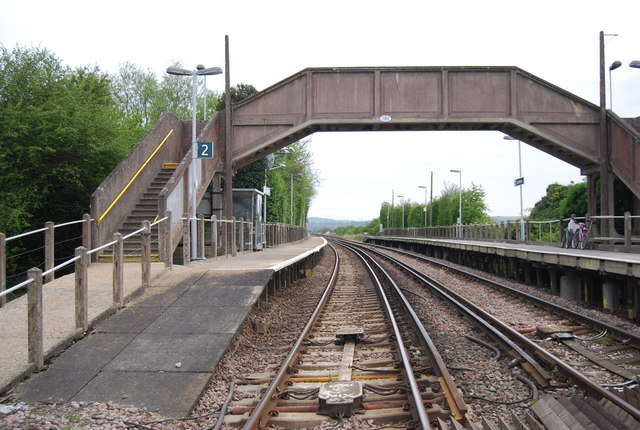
[{"x": 205, "y": 149}]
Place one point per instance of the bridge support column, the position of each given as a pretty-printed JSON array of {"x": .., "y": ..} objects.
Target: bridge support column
[
  {"x": 570, "y": 287},
  {"x": 553, "y": 281},
  {"x": 610, "y": 295}
]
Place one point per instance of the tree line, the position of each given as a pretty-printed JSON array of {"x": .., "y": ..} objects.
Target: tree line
[{"x": 560, "y": 201}]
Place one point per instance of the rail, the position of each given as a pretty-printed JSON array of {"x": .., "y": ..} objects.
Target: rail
[
  {"x": 258, "y": 417},
  {"x": 48, "y": 247},
  {"x": 532, "y": 231}
]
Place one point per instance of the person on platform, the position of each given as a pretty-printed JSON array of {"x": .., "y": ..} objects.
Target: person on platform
[{"x": 573, "y": 225}]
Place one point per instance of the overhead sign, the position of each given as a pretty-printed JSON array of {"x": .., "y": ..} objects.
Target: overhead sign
[
  {"x": 518, "y": 181},
  {"x": 205, "y": 149}
]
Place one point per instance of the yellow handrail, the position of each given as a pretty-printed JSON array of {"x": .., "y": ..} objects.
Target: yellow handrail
[{"x": 134, "y": 177}]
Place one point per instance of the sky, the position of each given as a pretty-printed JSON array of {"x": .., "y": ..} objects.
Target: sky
[{"x": 558, "y": 41}]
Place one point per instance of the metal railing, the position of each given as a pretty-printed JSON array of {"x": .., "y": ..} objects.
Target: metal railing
[
  {"x": 224, "y": 237},
  {"x": 534, "y": 231}
]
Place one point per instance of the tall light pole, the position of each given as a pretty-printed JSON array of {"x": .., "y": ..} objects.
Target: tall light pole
[
  {"x": 402, "y": 197},
  {"x": 460, "y": 205},
  {"x": 613, "y": 66},
  {"x": 200, "y": 71},
  {"x": 519, "y": 183},
  {"x": 293, "y": 175},
  {"x": 425, "y": 203}
]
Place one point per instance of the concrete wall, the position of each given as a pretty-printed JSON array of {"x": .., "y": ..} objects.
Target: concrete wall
[{"x": 171, "y": 151}]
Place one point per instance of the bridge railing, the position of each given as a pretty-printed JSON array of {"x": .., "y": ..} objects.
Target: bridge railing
[{"x": 532, "y": 231}]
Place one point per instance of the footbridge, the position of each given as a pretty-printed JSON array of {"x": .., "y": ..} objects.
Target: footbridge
[{"x": 507, "y": 99}]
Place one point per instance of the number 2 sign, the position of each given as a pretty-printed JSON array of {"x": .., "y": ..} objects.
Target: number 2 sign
[{"x": 205, "y": 149}]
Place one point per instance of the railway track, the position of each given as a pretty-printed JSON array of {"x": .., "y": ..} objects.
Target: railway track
[
  {"x": 540, "y": 361},
  {"x": 362, "y": 355}
]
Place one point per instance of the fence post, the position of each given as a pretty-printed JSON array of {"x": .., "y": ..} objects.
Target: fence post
[
  {"x": 167, "y": 241},
  {"x": 214, "y": 237},
  {"x": 3, "y": 267},
  {"x": 242, "y": 244},
  {"x": 186, "y": 240},
  {"x": 49, "y": 250},
  {"x": 627, "y": 231},
  {"x": 34, "y": 306},
  {"x": 118, "y": 271},
  {"x": 234, "y": 247},
  {"x": 225, "y": 237},
  {"x": 145, "y": 254},
  {"x": 251, "y": 234},
  {"x": 201, "y": 237},
  {"x": 82, "y": 298},
  {"x": 86, "y": 234}
]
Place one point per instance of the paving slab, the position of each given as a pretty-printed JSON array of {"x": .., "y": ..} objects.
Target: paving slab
[
  {"x": 55, "y": 385},
  {"x": 169, "y": 393},
  {"x": 172, "y": 353},
  {"x": 131, "y": 319},
  {"x": 159, "y": 352},
  {"x": 197, "y": 319}
]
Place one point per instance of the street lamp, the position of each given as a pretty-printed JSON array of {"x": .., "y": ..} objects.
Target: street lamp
[
  {"x": 402, "y": 197},
  {"x": 460, "y": 205},
  {"x": 635, "y": 64},
  {"x": 519, "y": 182},
  {"x": 613, "y": 66},
  {"x": 425, "y": 203},
  {"x": 200, "y": 71},
  {"x": 293, "y": 175}
]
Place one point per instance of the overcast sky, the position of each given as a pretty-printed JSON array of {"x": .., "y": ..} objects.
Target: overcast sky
[{"x": 271, "y": 40}]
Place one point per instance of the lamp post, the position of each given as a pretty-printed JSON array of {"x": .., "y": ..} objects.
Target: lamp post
[
  {"x": 613, "y": 66},
  {"x": 293, "y": 175},
  {"x": 460, "y": 205},
  {"x": 519, "y": 182},
  {"x": 200, "y": 71},
  {"x": 402, "y": 197},
  {"x": 425, "y": 203}
]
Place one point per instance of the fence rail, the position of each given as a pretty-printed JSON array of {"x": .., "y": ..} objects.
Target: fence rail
[
  {"x": 532, "y": 231},
  {"x": 227, "y": 237}
]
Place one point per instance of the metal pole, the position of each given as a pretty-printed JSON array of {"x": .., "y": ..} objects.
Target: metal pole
[
  {"x": 194, "y": 182},
  {"x": 425, "y": 203},
  {"x": 204, "y": 110},
  {"x": 522, "y": 235},
  {"x": 291, "y": 202},
  {"x": 460, "y": 205}
]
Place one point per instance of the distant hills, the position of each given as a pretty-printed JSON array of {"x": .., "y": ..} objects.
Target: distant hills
[{"x": 316, "y": 224}]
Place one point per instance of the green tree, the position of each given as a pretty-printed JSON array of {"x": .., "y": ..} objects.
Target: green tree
[
  {"x": 574, "y": 200},
  {"x": 59, "y": 134},
  {"x": 548, "y": 207}
]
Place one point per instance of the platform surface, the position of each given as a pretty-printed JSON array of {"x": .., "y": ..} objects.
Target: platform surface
[
  {"x": 160, "y": 350},
  {"x": 617, "y": 263}
]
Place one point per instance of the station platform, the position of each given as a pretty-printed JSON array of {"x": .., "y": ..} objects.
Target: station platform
[
  {"x": 160, "y": 350},
  {"x": 607, "y": 262}
]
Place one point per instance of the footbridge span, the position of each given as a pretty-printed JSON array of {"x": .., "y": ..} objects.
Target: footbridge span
[{"x": 507, "y": 99}]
